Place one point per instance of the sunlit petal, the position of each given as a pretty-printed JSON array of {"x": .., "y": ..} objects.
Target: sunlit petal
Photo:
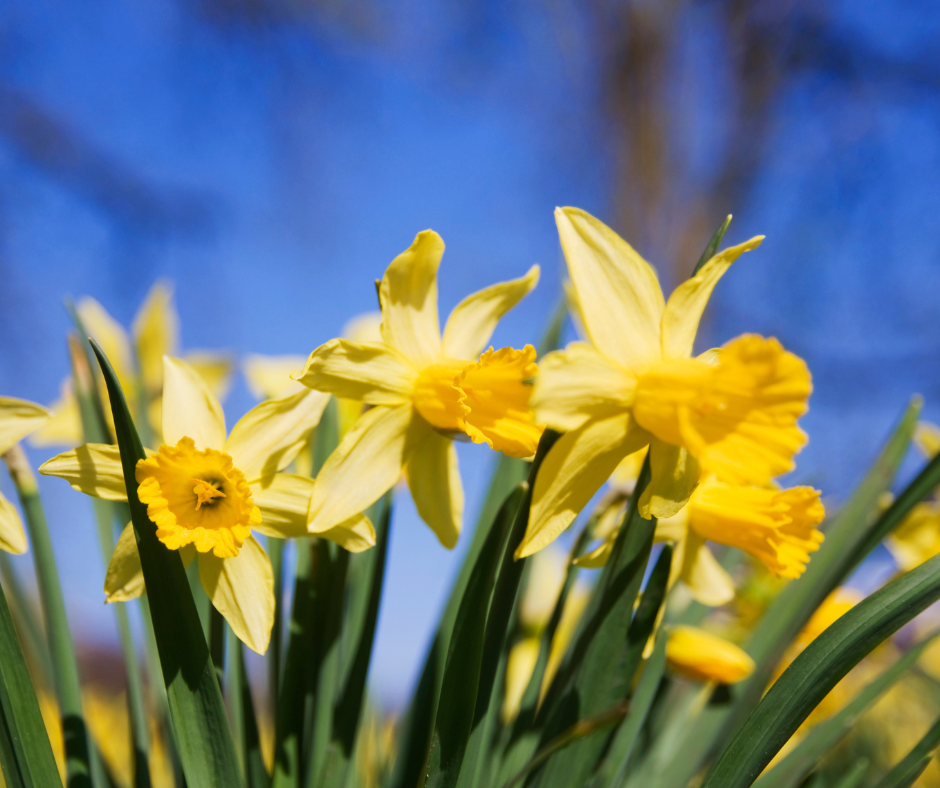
[
  {"x": 674, "y": 474},
  {"x": 373, "y": 372},
  {"x": 434, "y": 481},
  {"x": 92, "y": 468},
  {"x": 12, "y": 536},
  {"x": 18, "y": 418},
  {"x": 156, "y": 334},
  {"x": 269, "y": 377},
  {"x": 190, "y": 409}
]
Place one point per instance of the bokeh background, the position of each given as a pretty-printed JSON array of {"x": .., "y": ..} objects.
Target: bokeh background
[{"x": 270, "y": 157}]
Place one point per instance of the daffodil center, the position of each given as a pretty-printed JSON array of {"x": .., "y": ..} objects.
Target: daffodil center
[{"x": 206, "y": 492}]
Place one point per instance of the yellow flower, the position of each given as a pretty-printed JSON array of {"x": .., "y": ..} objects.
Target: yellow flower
[
  {"x": 519, "y": 666},
  {"x": 927, "y": 439},
  {"x": 18, "y": 418},
  {"x": 424, "y": 390},
  {"x": 702, "y": 656},
  {"x": 634, "y": 384},
  {"x": 206, "y": 492},
  {"x": 917, "y": 538}
]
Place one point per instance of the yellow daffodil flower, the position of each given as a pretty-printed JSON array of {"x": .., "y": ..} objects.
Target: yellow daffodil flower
[
  {"x": 702, "y": 656},
  {"x": 424, "y": 390},
  {"x": 137, "y": 358},
  {"x": 730, "y": 412},
  {"x": 18, "y": 418},
  {"x": 207, "y": 492},
  {"x": 917, "y": 538}
]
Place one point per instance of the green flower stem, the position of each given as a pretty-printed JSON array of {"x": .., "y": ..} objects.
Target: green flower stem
[
  {"x": 26, "y": 622},
  {"x": 217, "y": 643}
]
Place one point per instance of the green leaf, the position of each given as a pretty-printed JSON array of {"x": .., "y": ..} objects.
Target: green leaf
[
  {"x": 25, "y": 752},
  {"x": 712, "y": 248},
  {"x": 913, "y": 764},
  {"x": 26, "y": 618},
  {"x": 245, "y": 722},
  {"x": 818, "y": 669},
  {"x": 201, "y": 730},
  {"x": 856, "y": 774},
  {"x": 823, "y": 737},
  {"x": 455, "y": 712}
]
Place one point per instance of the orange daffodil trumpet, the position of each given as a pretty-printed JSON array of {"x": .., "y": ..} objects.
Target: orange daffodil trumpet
[
  {"x": 424, "y": 390},
  {"x": 18, "y": 418},
  {"x": 207, "y": 492},
  {"x": 730, "y": 413}
]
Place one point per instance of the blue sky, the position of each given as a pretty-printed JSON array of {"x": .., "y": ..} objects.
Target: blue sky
[{"x": 278, "y": 167}]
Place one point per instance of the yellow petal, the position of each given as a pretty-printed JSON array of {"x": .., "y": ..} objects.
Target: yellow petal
[
  {"x": 519, "y": 666},
  {"x": 703, "y": 656},
  {"x": 269, "y": 436},
  {"x": 687, "y": 302},
  {"x": 18, "y": 418},
  {"x": 64, "y": 427},
  {"x": 674, "y": 474},
  {"x": 709, "y": 583},
  {"x": 355, "y": 534},
  {"x": 190, "y": 409},
  {"x": 214, "y": 368},
  {"x": 621, "y": 300},
  {"x": 113, "y": 339},
  {"x": 576, "y": 384},
  {"x": 408, "y": 296},
  {"x": 242, "y": 590},
  {"x": 366, "y": 464},
  {"x": 156, "y": 334},
  {"x": 917, "y": 538},
  {"x": 373, "y": 373},
  {"x": 573, "y": 471},
  {"x": 92, "y": 468},
  {"x": 471, "y": 324},
  {"x": 434, "y": 481},
  {"x": 269, "y": 377},
  {"x": 124, "y": 579},
  {"x": 12, "y": 536},
  {"x": 366, "y": 327},
  {"x": 598, "y": 557}
]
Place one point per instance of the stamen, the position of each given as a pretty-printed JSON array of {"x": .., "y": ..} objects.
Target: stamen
[{"x": 206, "y": 492}]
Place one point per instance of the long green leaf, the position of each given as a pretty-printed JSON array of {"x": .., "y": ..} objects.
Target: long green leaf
[
  {"x": 25, "y": 752},
  {"x": 914, "y": 763},
  {"x": 711, "y": 247},
  {"x": 26, "y": 618},
  {"x": 818, "y": 669},
  {"x": 823, "y": 737},
  {"x": 201, "y": 730},
  {"x": 245, "y": 723}
]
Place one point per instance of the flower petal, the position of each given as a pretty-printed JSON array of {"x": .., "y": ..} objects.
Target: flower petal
[
  {"x": 124, "y": 579},
  {"x": 576, "y": 384},
  {"x": 408, "y": 296},
  {"x": 242, "y": 590},
  {"x": 709, "y": 583},
  {"x": 269, "y": 377},
  {"x": 18, "y": 418},
  {"x": 687, "y": 302},
  {"x": 356, "y": 534},
  {"x": 12, "y": 536},
  {"x": 366, "y": 464},
  {"x": 214, "y": 368},
  {"x": 674, "y": 474},
  {"x": 190, "y": 409},
  {"x": 372, "y": 372},
  {"x": 621, "y": 300},
  {"x": 434, "y": 481},
  {"x": 269, "y": 436},
  {"x": 113, "y": 339},
  {"x": 156, "y": 334},
  {"x": 471, "y": 324},
  {"x": 64, "y": 426},
  {"x": 92, "y": 468},
  {"x": 573, "y": 471}
]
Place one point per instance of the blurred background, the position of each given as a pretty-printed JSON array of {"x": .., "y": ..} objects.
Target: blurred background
[{"x": 270, "y": 157}]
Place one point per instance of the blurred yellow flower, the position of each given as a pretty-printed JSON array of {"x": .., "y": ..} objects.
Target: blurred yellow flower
[
  {"x": 917, "y": 538},
  {"x": 634, "y": 384},
  {"x": 206, "y": 492},
  {"x": 702, "y": 656},
  {"x": 425, "y": 390},
  {"x": 519, "y": 666},
  {"x": 927, "y": 439},
  {"x": 18, "y": 418}
]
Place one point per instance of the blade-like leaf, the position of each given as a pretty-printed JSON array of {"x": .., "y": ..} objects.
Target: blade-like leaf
[
  {"x": 913, "y": 764},
  {"x": 201, "y": 730},
  {"x": 245, "y": 722},
  {"x": 818, "y": 669},
  {"x": 711, "y": 248}
]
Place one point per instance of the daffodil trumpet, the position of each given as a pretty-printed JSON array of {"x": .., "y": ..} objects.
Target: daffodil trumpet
[
  {"x": 207, "y": 492},
  {"x": 424, "y": 390},
  {"x": 634, "y": 383}
]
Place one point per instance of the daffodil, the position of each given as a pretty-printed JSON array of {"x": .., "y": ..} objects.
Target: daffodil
[
  {"x": 423, "y": 390},
  {"x": 18, "y": 418},
  {"x": 917, "y": 538},
  {"x": 702, "y": 656},
  {"x": 730, "y": 412},
  {"x": 206, "y": 493},
  {"x": 137, "y": 358}
]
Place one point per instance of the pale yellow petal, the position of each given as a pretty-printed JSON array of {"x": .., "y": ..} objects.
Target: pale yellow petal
[
  {"x": 674, "y": 475},
  {"x": 214, "y": 368},
  {"x": 471, "y": 324},
  {"x": 598, "y": 557},
  {"x": 269, "y": 377},
  {"x": 284, "y": 501},
  {"x": 156, "y": 333},
  {"x": 18, "y": 418},
  {"x": 620, "y": 297},
  {"x": 577, "y": 384},
  {"x": 124, "y": 579},
  {"x": 366, "y": 464},
  {"x": 687, "y": 302},
  {"x": 64, "y": 426},
  {"x": 356, "y": 534},
  {"x": 366, "y": 327},
  {"x": 408, "y": 296},
  {"x": 269, "y": 436},
  {"x": 573, "y": 471},
  {"x": 12, "y": 536},
  {"x": 190, "y": 409},
  {"x": 92, "y": 468},
  {"x": 373, "y": 373},
  {"x": 434, "y": 481},
  {"x": 709, "y": 583},
  {"x": 242, "y": 590},
  {"x": 112, "y": 337}
]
